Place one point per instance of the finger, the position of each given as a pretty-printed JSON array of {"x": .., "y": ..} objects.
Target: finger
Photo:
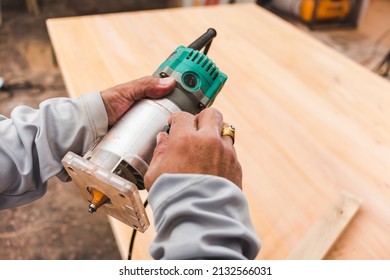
[
  {"x": 147, "y": 87},
  {"x": 182, "y": 122},
  {"x": 159, "y": 151},
  {"x": 158, "y": 155},
  {"x": 210, "y": 119}
]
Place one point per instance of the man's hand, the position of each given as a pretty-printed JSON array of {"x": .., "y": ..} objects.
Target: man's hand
[
  {"x": 195, "y": 145},
  {"x": 119, "y": 99}
]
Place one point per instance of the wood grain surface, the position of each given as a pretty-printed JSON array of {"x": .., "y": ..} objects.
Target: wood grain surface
[
  {"x": 324, "y": 233},
  {"x": 309, "y": 121}
]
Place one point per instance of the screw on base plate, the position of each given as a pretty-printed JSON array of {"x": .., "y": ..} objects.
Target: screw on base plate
[{"x": 92, "y": 208}]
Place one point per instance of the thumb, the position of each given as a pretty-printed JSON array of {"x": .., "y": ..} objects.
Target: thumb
[
  {"x": 117, "y": 100},
  {"x": 159, "y": 151},
  {"x": 154, "y": 168},
  {"x": 148, "y": 86}
]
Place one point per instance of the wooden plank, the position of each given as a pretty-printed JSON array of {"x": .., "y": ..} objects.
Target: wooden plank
[{"x": 318, "y": 241}]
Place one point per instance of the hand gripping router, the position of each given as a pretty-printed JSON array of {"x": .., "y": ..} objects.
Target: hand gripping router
[{"x": 110, "y": 175}]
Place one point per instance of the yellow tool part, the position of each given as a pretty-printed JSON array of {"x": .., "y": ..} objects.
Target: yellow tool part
[
  {"x": 326, "y": 9},
  {"x": 98, "y": 198}
]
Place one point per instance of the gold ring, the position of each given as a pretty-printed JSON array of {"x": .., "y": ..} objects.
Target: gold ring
[{"x": 229, "y": 130}]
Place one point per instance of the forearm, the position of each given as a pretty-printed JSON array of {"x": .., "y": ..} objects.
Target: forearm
[
  {"x": 33, "y": 142},
  {"x": 201, "y": 217}
]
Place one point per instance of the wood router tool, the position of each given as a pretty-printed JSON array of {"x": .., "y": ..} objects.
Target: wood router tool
[{"x": 111, "y": 173}]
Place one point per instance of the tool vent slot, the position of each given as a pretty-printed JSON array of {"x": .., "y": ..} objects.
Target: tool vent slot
[
  {"x": 203, "y": 61},
  {"x": 128, "y": 172}
]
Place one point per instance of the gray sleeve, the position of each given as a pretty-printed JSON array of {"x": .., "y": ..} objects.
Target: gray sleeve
[
  {"x": 33, "y": 142},
  {"x": 201, "y": 217}
]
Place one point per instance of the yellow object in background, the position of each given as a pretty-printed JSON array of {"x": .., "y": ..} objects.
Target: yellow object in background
[{"x": 326, "y": 9}]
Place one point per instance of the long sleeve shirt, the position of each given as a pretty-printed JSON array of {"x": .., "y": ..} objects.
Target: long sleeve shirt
[
  {"x": 201, "y": 217},
  {"x": 196, "y": 216}
]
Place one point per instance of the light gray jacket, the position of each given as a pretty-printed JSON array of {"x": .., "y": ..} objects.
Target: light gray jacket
[{"x": 192, "y": 221}]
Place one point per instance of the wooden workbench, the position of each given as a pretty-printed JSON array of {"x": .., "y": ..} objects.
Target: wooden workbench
[{"x": 310, "y": 122}]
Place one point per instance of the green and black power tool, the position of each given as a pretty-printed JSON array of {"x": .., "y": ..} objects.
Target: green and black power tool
[{"x": 111, "y": 173}]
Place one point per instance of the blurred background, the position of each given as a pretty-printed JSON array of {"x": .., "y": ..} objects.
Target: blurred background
[
  {"x": 58, "y": 226},
  {"x": 360, "y": 29}
]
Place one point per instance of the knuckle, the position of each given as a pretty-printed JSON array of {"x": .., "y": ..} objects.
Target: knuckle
[
  {"x": 214, "y": 140},
  {"x": 213, "y": 112},
  {"x": 146, "y": 84},
  {"x": 217, "y": 113},
  {"x": 180, "y": 114},
  {"x": 175, "y": 117},
  {"x": 158, "y": 151},
  {"x": 185, "y": 138}
]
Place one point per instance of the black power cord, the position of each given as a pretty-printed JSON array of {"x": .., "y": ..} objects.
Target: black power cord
[
  {"x": 165, "y": 129},
  {"x": 133, "y": 237}
]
